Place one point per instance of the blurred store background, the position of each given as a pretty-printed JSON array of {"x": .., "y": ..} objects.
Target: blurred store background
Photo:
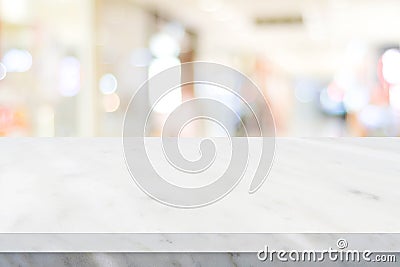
[{"x": 327, "y": 67}]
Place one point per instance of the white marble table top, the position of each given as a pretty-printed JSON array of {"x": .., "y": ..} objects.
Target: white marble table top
[{"x": 316, "y": 185}]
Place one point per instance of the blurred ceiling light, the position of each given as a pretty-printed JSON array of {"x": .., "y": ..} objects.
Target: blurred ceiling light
[
  {"x": 111, "y": 102},
  {"x": 164, "y": 45},
  {"x": 69, "y": 77},
  {"x": 14, "y": 11},
  {"x": 17, "y": 60},
  {"x": 391, "y": 66},
  {"x": 108, "y": 84},
  {"x": 141, "y": 57},
  {"x": 394, "y": 97},
  {"x": 210, "y": 5},
  {"x": 354, "y": 100},
  {"x": 174, "y": 98},
  {"x": 3, "y": 71}
]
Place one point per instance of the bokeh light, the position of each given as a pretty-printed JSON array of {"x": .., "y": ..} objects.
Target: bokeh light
[
  {"x": 111, "y": 102},
  {"x": 331, "y": 105},
  {"x": 17, "y": 60},
  {"x": 354, "y": 100},
  {"x": 108, "y": 84},
  {"x": 69, "y": 81},
  {"x": 391, "y": 66},
  {"x": 374, "y": 116},
  {"x": 164, "y": 45}
]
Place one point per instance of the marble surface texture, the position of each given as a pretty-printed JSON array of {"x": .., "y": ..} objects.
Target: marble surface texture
[
  {"x": 159, "y": 260},
  {"x": 316, "y": 185}
]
